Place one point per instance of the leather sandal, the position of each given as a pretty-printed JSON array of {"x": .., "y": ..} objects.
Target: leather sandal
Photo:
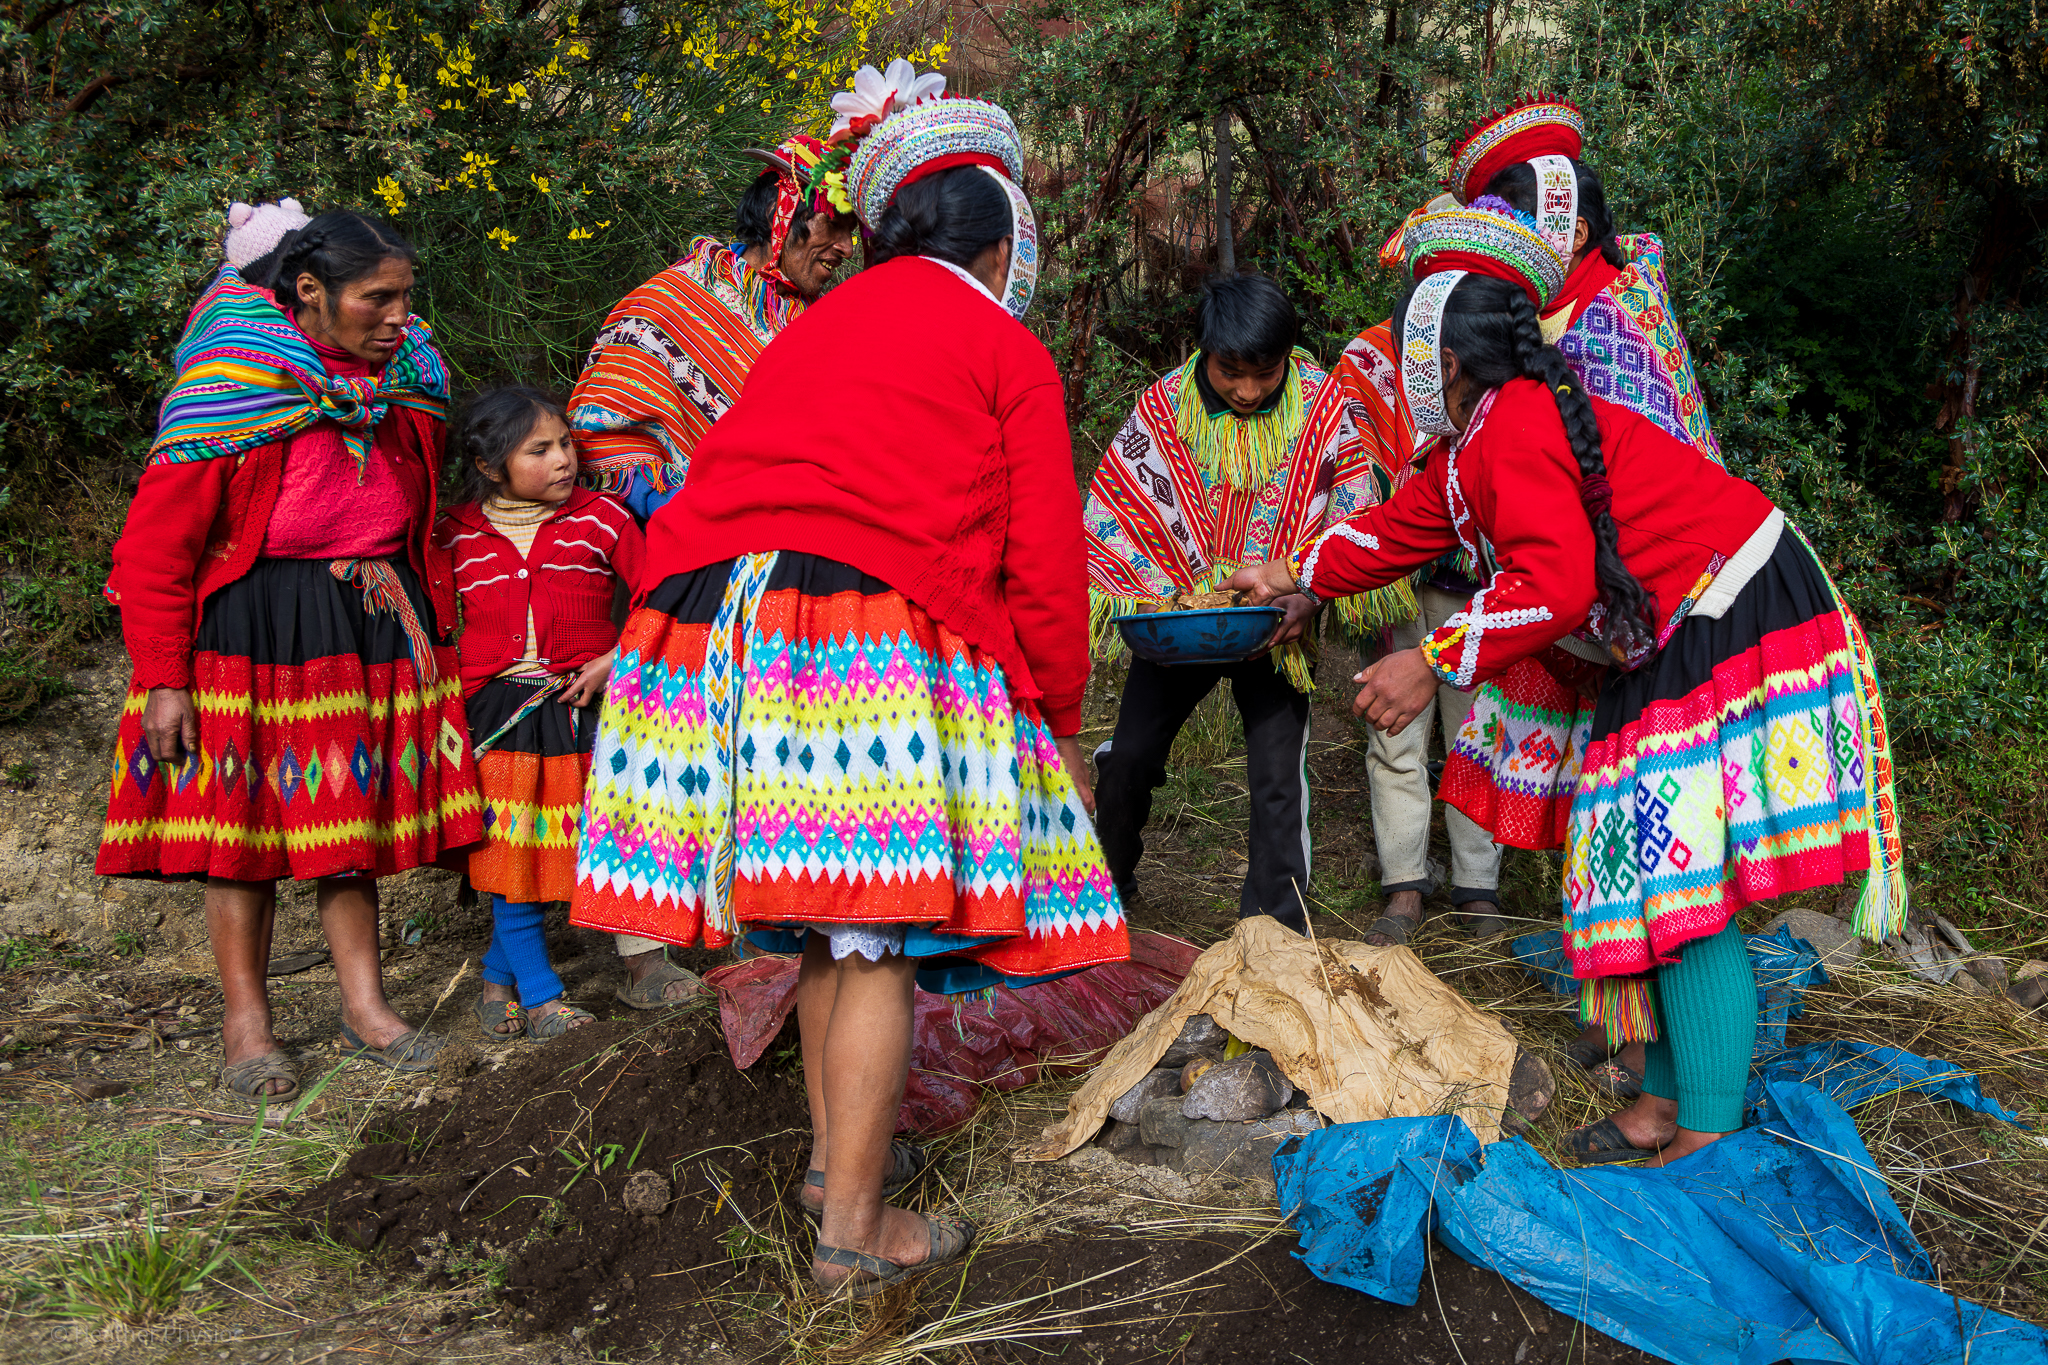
[
  {"x": 490, "y": 1014},
  {"x": 950, "y": 1238},
  {"x": 412, "y": 1050},
  {"x": 1395, "y": 929},
  {"x": 557, "y": 1021},
  {"x": 1612, "y": 1078},
  {"x": 907, "y": 1161},
  {"x": 243, "y": 1080},
  {"x": 647, "y": 992},
  {"x": 1598, "y": 1144}
]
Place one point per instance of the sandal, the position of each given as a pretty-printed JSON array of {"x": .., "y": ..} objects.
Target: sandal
[
  {"x": 1482, "y": 923},
  {"x": 242, "y": 1079},
  {"x": 907, "y": 1161},
  {"x": 1597, "y": 1144},
  {"x": 950, "y": 1238},
  {"x": 557, "y": 1021},
  {"x": 492, "y": 1013},
  {"x": 412, "y": 1050},
  {"x": 1586, "y": 1053},
  {"x": 1393, "y": 929},
  {"x": 1612, "y": 1078},
  {"x": 647, "y": 992}
]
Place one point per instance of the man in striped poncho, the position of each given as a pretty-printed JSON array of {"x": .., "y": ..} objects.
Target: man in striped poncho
[{"x": 675, "y": 352}]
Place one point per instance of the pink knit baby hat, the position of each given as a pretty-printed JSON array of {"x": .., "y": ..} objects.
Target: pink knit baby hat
[{"x": 253, "y": 230}]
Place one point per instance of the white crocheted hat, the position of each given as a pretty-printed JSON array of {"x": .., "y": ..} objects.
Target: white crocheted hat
[{"x": 927, "y": 138}]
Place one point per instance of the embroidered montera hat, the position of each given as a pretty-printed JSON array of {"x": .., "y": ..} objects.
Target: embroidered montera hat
[{"x": 1534, "y": 125}]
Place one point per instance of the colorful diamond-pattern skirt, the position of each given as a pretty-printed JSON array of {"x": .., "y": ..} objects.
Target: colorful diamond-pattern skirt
[
  {"x": 531, "y": 780},
  {"x": 321, "y": 751},
  {"x": 1747, "y": 759},
  {"x": 786, "y": 742}
]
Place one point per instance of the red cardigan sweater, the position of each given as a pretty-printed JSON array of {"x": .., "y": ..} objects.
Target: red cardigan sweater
[
  {"x": 195, "y": 528},
  {"x": 910, "y": 427},
  {"x": 589, "y": 543},
  {"x": 1513, "y": 481}
]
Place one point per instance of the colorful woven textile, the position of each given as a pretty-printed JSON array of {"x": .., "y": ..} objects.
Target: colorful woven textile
[
  {"x": 1534, "y": 125},
  {"x": 669, "y": 361},
  {"x": 785, "y": 742},
  {"x": 248, "y": 376},
  {"x": 531, "y": 784},
  {"x": 1158, "y": 521},
  {"x": 329, "y": 760},
  {"x": 1516, "y": 753},
  {"x": 1731, "y": 770},
  {"x": 1626, "y": 343}
]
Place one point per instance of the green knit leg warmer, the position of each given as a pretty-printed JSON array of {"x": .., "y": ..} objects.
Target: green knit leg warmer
[{"x": 1706, "y": 1031}]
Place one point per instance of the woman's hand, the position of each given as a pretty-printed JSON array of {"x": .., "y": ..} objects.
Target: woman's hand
[
  {"x": 589, "y": 682},
  {"x": 1266, "y": 582},
  {"x": 1296, "y": 611},
  {"x": 1076, "y": 764},
  {"x": 1397, "y": 689},
  {"x": 170, "y": 722}
]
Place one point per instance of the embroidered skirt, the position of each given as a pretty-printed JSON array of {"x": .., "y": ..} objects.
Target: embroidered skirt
[
  {"x": 1745, "y": 760},
  {"x": 786, "y": 742},
  {"x": 321, "y": 751},
  {"x": 531, "y": 780}
]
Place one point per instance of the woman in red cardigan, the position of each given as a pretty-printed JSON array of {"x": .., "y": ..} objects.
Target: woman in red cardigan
[
  {"x": 844, "y": 715},
  {"x": 1734, "y": 748},
  {"x": 295, "y": 709}
]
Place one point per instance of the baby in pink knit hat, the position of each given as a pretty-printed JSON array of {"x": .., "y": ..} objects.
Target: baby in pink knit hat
[{"x": 254, "y": 232}]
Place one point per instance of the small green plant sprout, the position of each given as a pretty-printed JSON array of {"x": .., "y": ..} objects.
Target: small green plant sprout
[
  {"x": 136, "y": 1277},
  {"x": 590, "y": 1161},
  {"x": 20, "y": 774},
  {"x": 127, "y": 944}
]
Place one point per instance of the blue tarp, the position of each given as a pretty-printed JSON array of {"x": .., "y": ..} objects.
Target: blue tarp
[
  {"x": 1855, "y": 1072},
  {"x": 1784, "y": 965},
  {"x": 1776, "y": 1243}
]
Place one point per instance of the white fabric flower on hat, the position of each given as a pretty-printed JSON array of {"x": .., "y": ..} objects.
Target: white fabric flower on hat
[{"x": 877, "y": 94}]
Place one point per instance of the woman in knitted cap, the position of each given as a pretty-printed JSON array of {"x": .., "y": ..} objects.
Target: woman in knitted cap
[
  {"x": 844, "y": 717},
  {"x": 1736, "y": 749},
  {"x": 295, "y": 709}
]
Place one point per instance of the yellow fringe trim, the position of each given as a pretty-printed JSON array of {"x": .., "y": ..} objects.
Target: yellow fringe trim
[
  {"x": 1240, "y": 451},
  {"x": 1365, "y": 613}
]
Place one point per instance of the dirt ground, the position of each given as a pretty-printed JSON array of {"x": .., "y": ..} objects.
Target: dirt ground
[{"x": 479, "y": 1212}]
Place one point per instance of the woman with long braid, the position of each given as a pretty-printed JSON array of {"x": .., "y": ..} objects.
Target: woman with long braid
[{"x": 1731, "y": 755}]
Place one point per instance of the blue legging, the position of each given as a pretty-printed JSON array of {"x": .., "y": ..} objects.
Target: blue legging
[{"x": 518, "y": 955}]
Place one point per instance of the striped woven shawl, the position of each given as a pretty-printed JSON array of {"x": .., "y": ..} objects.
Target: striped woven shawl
[
  {"x": 669, "y": 362},
  {"x": 247, "y": 376}
]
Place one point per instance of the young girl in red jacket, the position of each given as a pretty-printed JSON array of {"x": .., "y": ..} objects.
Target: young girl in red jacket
[
  {"x": 535, "y": 560},
  {"x": 1732, "y": 746}
]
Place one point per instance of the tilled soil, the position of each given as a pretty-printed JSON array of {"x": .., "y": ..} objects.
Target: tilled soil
[{"x": 528, "y": 1167}]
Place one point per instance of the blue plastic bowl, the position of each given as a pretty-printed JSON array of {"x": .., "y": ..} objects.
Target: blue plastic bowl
[{"x": 1220, "y": 635}]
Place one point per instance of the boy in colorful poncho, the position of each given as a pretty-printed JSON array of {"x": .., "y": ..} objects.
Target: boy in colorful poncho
[{"x": 1241, "y": 452}]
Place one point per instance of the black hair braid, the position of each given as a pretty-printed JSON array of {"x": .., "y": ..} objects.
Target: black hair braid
[
  {"x": 297, "y": 249},
  {"x": 1630, "y": 610}
]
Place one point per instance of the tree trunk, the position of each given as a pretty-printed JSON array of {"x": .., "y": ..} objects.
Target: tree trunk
[
  {"x": 1090, "y": 267},
  {"x": 2009, "y": 225},
  {"x": 1226, "y": 244}
]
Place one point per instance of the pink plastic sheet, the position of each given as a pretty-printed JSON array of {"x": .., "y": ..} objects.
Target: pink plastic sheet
[{"x": 962, "y": 1045}]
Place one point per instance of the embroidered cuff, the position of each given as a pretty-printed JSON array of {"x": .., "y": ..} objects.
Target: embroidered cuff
[
  {"x": 160, "y": 661},
  {"x": 1305, "y": 571}
]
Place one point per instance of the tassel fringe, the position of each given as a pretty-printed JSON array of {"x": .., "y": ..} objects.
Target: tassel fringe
[
  {"x": 1622, "y": 1004},
  {"x": 1240, "y": 451}
]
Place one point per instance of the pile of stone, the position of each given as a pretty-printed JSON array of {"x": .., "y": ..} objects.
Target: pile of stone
[{"x": 1203, "y": 1114}]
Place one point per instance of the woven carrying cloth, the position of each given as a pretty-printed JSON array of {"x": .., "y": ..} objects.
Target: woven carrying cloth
[
  {"x": 1162, "y": 518},
  {"x": 531, "y": 783},
  {"x": 321, "y": 751},
  {"x": 247, "y": 376},
  {"x": 669, "y": 361},
  {"x": 1746, "y": 761},
  {"x": 786, "y": 742}
]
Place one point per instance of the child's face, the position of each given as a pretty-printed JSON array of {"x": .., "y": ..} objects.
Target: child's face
[{"x": 543, "y": 467}]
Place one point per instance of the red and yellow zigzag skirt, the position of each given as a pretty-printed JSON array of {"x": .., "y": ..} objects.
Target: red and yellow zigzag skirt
[{"x": 321, "y": 752}]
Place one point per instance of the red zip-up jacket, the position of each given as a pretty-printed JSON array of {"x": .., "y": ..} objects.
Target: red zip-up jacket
[
  {"x": 195, "y": 528},
  {"x": 908, "y": 426},
  {"x": 589, "y": 543}
]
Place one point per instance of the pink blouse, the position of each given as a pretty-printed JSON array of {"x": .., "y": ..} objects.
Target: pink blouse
[{"x": 322, "y": 511}]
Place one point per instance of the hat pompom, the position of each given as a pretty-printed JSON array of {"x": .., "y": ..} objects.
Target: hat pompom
[{"x": 239, "y": 213}]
